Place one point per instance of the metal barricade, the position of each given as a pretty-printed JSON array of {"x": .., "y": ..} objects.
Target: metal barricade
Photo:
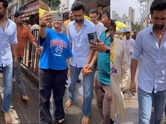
[{"x": 31, "y": 57}]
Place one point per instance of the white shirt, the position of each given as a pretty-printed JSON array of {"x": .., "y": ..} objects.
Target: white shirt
[
  {"x": 100, "y": 28},
  {"x": 129, "y": 45},
  {"x": 8, "y": 37},
  {"x": 129, "y": 48},
  {"x": 80, "y": 42}
]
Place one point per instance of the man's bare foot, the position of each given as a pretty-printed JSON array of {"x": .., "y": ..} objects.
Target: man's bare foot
[
  {"x": 68, "y": 103},
  {"x": 25, "y": 98},
  {"x": 8, "y": 118},
  {"x": 85, "y": 120}
]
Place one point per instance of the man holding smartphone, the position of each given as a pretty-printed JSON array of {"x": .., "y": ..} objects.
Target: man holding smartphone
[
  {"x": 102, "y": 87},
  {"x": 77, "y": 32}
]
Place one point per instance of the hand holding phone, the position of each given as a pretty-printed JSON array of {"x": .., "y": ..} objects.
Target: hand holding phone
[
  {"x": 57, "y": 16},
  {"x": 92, "y": 37},
  {"x": 44, "y": 19}
]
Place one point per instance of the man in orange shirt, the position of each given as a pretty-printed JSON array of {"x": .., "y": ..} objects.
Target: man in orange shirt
[{"x": 23, "y": 35}]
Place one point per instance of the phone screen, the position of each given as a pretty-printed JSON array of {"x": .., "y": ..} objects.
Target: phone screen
[
  {"x": 57, "y": 17},
  {"x": 92, "y": 37}
]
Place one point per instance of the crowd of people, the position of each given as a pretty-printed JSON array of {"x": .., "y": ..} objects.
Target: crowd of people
[
  {"x": 94, "y": 49},
  {"x": 107, "y": 63}
]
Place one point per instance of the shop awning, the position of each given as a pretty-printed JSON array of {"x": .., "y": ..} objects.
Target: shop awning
[{"x": 31, "y": 9}]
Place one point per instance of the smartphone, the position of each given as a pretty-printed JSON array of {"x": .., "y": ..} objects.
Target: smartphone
[
  {"x": 92, "y": 37},
  {"x": 57, "y": 16}
]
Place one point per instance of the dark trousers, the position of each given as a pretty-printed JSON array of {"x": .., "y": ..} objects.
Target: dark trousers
[
  {"x": 52, "y": 80},
  {"x": 165, "y": 110},
  {"x": 17, "y": 74}
]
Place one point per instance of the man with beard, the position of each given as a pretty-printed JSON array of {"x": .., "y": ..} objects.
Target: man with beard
[
  {"x": 93, "y": 14},
  {"x": 24, "y": 35},
  {"x": 102, "y": 79},
  {"x": 8, "y": 38},
  {"x": 150, "y": 44},
  {"x": 77, "y": 32}
]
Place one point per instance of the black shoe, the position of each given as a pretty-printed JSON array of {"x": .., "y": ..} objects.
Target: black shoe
[
  {"x": 78, "y": 81},
  {"x": 111, "y": 121}
]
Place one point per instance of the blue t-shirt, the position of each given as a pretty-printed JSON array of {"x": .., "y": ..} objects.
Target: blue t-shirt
[
  {"x": 103, "y": 62},
  {"x": 56, "y": 49}
]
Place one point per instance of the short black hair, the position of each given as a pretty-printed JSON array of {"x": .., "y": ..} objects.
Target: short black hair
[
  {"x": 78, "y": 5},
  {"x": 94, "y": 11},
  {"x": 5, "y": 3},
  {"x": 106, "y": 10},
  {"x": 113, "y": 25},
  {"x": 17, "y": 14},
  {"x": 158, "y": 5},
  {"x": 101, "y": 4}
]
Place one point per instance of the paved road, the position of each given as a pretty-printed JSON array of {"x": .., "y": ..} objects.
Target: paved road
[
  {"x": 29, "y": 113},
  {"x": 74, "y": 113},
  {"x": 24, "y": 113}
]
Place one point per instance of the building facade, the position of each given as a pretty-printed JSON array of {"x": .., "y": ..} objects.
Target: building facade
[{"x": 145, "y": 12}]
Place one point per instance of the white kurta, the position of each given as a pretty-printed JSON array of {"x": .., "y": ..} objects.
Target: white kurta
[
  {"x": 120, "y": 63},
  {"x": 129, "y": 48}
]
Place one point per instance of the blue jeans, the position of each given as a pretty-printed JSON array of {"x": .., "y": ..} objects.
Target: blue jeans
[
  {"x": 145, "y": 106},
  {"x": 87, "y": 88},
  {"x": 7, "y": 81},
  {"x": 18, "y": 76}
]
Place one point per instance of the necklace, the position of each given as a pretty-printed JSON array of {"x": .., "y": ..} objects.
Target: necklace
[{"x": 162, "y": 33}]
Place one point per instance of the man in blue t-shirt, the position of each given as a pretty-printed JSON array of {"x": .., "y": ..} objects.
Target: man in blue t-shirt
[{"x": 53, "y": 69}]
